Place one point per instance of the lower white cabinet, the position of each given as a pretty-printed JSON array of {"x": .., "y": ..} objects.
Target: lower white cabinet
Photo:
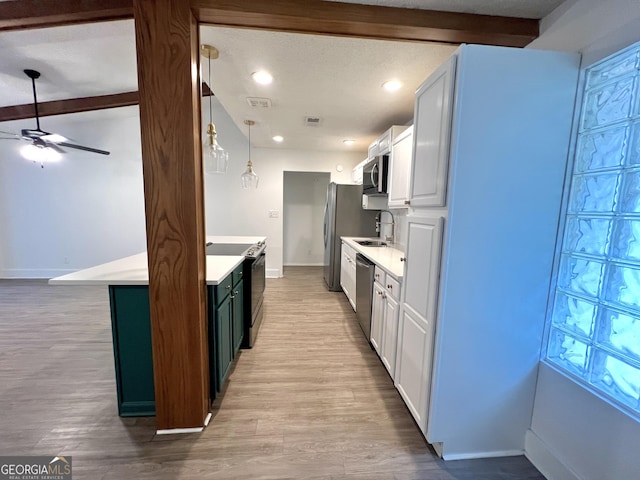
[
  {"x": 348, "y": 273},
  {"x": 414, "y": 357},
  {"x": 413, "y": 369},
  {"x": 390, "y": 334},
  {"x": 384, "y": 318},
  {"x": 377, "y": 316}
]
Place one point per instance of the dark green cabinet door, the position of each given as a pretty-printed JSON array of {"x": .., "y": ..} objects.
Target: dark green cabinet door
[
  {"x": 238, "y": 317},
  {"x": 224, "y": 344},
  {"x": 131, "y": 329}
]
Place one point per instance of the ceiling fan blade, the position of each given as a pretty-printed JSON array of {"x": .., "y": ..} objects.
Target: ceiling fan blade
[
  {"x": 86, "y": 149},
  {"x": 55, "y": 147},
  {"x": 54, "y": 137},
  {"x": 10, "y": 136}
]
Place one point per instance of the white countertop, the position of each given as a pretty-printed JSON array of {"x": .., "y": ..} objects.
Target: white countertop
[
  {"x": 234, "y": 239},
  {"x": 387, "y": 258},
  {"x": 134, "y": 270}
]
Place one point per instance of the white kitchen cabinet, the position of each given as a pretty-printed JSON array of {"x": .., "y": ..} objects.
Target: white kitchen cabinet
[
  {"x": 400, "y": 169},
  {"x": 356, "y": 174},
  {"x": 390, "y": 332},
  {"x": 384, "y": 317},
  {"x": 413, "y": 368},
  {"x": 377, "y": 316},
  {"x": 348, "y": 273},
  {"x": 491, "y": 138},
  {"x": 432, "y": 127},
  {"x": 419, "y": 300}
]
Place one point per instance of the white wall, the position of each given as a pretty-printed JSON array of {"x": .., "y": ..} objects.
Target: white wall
[
  {"x": 302, "y": 216},
  {"x": 84, "y": 210},
  {"x": 575, "y": 434},
  {"x": 89, "y": 209}
]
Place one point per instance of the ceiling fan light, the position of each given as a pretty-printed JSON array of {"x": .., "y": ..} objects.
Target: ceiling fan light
[{"x": 41, "y": 154}]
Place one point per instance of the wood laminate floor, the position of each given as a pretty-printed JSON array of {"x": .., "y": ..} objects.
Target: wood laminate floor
[{"x": 310, "y": 401}]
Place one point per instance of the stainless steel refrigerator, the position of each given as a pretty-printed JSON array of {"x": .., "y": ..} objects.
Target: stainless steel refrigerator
[{"x": 343, "y": 217}]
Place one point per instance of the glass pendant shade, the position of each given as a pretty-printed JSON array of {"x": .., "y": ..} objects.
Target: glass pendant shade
[
  {"x": 249, "y": 178},
  {"x": 214, "y": 157}
]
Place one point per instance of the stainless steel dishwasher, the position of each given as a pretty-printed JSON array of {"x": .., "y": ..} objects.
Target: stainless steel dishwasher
[{"x": 364, "y": 288}]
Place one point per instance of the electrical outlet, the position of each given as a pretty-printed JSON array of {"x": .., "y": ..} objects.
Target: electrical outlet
[{"x": 274, "y": 213}]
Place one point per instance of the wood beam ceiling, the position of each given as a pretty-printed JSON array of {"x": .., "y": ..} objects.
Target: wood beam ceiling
[
  {"x": 76, "y": 105},
  {"x": 310, "y": 16},
  {"x": 25, "y": 14},
  {"x": 367, "y": 21}
]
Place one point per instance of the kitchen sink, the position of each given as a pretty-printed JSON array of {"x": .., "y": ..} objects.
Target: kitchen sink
[{"x": 371, "y": 243}]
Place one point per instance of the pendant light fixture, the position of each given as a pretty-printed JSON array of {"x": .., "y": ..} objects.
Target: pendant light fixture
[
  {"x": 214, "y": 157},
  {"x": 249, "y": 178}
]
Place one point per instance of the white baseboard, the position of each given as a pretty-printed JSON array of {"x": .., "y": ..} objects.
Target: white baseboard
[
  {"x": 303, "y": 265},
  {"x": 470, "y": 456},
  {"x": 30, "y": 273},
  {"x": 544, "y": 460},
  {"x": 273, "y": 273}
]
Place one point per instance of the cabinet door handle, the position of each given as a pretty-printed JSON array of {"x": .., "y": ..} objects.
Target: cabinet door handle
[
  {"x": 232, "y": 296},
  {"x": 377, "y": 275},
  {"x": 390, "y": 287},
  {"x": 403, "y": 259},
  {"x": 228, "y": 287},
  {"x": 236, "y": 293},
  {"x": 407, "y": 202}
]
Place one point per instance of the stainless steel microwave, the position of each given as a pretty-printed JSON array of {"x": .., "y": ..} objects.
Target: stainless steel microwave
[{"x": 374, "y": 176}]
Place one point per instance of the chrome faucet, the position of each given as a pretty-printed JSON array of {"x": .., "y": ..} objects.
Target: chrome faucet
[{"x": 387, "y": 238}]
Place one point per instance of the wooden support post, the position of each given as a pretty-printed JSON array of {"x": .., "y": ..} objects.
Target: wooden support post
[{"x": 168, "y": 60}]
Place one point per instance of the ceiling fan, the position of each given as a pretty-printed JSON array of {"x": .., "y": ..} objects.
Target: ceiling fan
[{"x": 43, "y": 145}]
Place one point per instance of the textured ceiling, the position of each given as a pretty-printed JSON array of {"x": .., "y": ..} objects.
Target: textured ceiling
[{"x": 335, "y": 78}]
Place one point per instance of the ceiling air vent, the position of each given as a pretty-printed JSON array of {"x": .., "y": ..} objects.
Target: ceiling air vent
[
  {"x": 259, "y": 102},
  {"x": 312, "y": 121}
]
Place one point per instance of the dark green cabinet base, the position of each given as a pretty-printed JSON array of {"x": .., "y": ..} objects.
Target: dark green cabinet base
[
  {"x": 131, "y": 329},
  {"x": 132, "y": 351}
]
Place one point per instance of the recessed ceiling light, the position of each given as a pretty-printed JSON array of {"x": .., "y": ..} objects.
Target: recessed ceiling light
[
  {"x": 349, "y": 142},
  {"x": 262, "y": 77},
  {"x": 392, "y": 85},
  {"x": 278, "y": 138}
]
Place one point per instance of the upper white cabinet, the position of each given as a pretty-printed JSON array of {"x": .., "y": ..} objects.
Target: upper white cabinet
[
  {"x": 382, "y": 145},
  {"x": 491, "y": 138},
  {"x": 432, "y": 129},
  {"x": 400, "y": 169},
  {"x": 356, "y": 174}
]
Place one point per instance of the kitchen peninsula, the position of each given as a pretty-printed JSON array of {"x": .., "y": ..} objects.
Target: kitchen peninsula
[{"x": 127, "y": 280}]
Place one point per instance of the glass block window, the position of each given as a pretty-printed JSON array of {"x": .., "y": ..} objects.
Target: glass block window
[{"x": 594, "y": 332}]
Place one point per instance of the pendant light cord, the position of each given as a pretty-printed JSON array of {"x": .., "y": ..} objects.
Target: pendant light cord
[{"x": 210, "y": 93}]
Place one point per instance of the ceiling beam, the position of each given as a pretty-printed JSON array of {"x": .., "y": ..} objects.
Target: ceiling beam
[
  {"x": 73, "y": 105},
  {"x": 76, "y": 105},
  {"x": 25, "y": 14},
  {"x": 310, "y": 16},
  {"x": 346, "y": 19}
]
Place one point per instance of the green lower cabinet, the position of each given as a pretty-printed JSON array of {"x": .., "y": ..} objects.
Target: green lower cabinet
[
  {"x": 131, "y": 329},
  {"x": 238, "y": 316},
  {"x": 223, "y": 345}
]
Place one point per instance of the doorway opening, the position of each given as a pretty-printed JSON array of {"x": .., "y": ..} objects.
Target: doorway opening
[{"x": 304, "y": 197}]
